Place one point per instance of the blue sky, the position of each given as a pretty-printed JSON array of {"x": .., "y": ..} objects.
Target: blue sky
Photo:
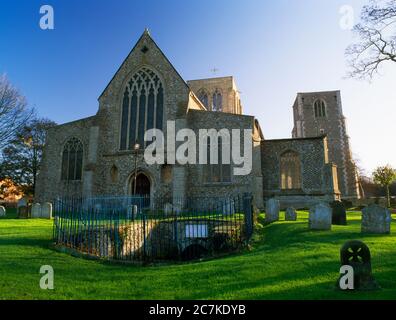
[{"x": 273, "y": 48}]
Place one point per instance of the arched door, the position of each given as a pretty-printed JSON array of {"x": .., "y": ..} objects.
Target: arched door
[{"x": 142, "y": 185}]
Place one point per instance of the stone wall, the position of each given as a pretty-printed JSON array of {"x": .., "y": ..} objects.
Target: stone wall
[
  {"x": 317, "y": 182},
  {"x": 197, "y": 185},
  {"x": 49, "y": 183}
]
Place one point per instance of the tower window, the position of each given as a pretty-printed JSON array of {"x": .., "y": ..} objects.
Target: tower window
[
  {"x": 320, "y": 108},
  {"x": 290, "y": 170},
  {"x": 204, "y": 98},
  {"x": 72, "y": 158},
  {"x": 217, "y": 104}
]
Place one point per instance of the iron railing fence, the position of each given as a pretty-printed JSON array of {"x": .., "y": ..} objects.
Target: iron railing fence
[{"x": 141, "y": 229}]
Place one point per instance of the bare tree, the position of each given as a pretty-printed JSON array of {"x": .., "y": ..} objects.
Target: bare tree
[
  {"x": 14, "y": 112},
  {"x": 360, "y": 173},
  {"x": 377, "y": 39}
]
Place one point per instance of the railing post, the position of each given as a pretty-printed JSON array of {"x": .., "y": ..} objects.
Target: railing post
[
  {"x": 144, "y": 235},
  {"x": 248, "y": 211}
]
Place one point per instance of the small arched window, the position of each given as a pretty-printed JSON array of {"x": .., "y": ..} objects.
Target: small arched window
[
  {"x": 320, "y": 108},
  {"x": 114, "y": 174},
  {"x": 204, "y": 98},
  {"x": 290, "y": 168},
  {"x": 72, "y": 159},
  {"x": 217, "y": 104}
]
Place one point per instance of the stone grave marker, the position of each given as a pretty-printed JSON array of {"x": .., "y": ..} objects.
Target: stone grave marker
[
  {"x": 290, "y": 214},
  {"x": 338, "y": 213},
  {"x": 36, "y": 210},
  {"x": 376, "y": 219},
  {"x": 46, "y": 210},
  {"x": 320, "y": 217},
  {"x": 356, "y": 254},
  {"x": 23, "y": 212},
  {"x": 272, "y": 210},
  {"x": 2, "y": 211}
]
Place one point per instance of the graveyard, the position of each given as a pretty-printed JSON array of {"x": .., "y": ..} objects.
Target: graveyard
[{"x": 285, "y": 260}]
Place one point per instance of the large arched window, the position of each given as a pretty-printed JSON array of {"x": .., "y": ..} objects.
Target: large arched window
[
  {"x": 204, "y": 98},
  {"x": 290, "y": 168},
  {"x": 217, "y": 104},
  {"x": 320, "y": 108},
  {"x": 142, "y": 108},
  {"x": 72, "y": 159}
]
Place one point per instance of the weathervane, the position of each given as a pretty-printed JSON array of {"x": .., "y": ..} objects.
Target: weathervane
[{"x": 214, "y": 70}]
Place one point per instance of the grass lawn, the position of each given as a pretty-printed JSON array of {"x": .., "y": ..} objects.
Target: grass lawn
[{"x": 287, "y": 261}]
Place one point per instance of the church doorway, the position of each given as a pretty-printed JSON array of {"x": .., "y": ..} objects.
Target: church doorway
[{"x": 142, "y": 187}]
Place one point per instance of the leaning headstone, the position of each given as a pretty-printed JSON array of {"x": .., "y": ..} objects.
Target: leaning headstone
[
  {"x": 36, "y": 210},
  {"x": 46, "y": 210},
  {"x": 338, "y": 213},
  {"x": 356, "y": 254},
  {"x": 2, "y": 211},
  {"x": 272, "y": 210},
  {"x": 376, "y": 219},
  {"x": 320, "y": 217},
  {"x": 23, "y": 212},
  {"x": 290, "y": 214}
]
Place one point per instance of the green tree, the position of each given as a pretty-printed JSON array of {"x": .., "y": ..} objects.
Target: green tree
[
  {"x": 385, "y": 176},
  {"x": 22, "y": 157}
]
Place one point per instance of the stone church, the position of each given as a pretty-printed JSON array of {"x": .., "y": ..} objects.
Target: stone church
[{"x": 103, "y": 154}]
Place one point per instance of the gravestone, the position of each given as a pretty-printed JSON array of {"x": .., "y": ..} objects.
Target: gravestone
[
  {"x": 291, "y": 214},
  {"x": 320, "y": 217},
  {"x": 2, "y": 211},
  {"x": 338, "y": 213},
  {"x": 36, "y": 210},
  {"x": 46, "y": 210},
  {"x": 22, "y": 203},
  {"x": 23, "y": 212},
  {"x": 356, "y": 254},
  {"x": 376, "y": 219},
  {"x": 22, "y": 208},
  {"x": 272, "y": 210}
]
